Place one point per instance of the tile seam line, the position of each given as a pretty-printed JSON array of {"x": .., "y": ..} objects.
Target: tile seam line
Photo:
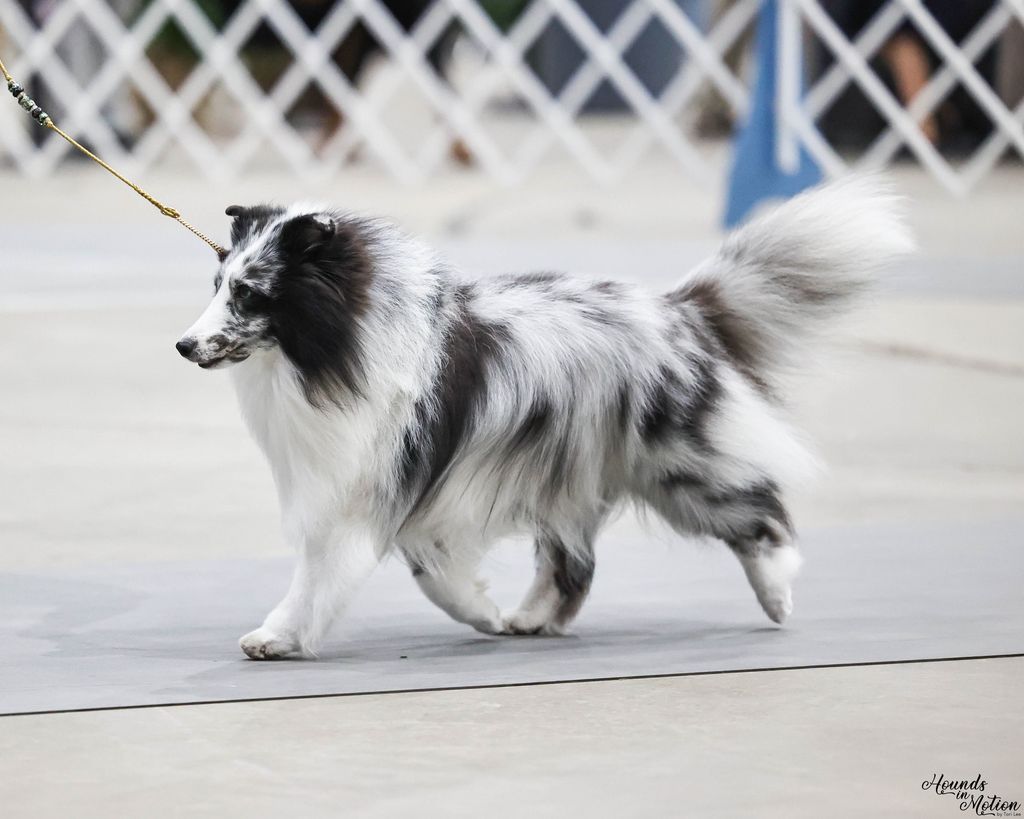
[{"x": 489, "y": 686}]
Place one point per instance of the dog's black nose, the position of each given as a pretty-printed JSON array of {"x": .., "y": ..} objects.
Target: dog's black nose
[{"x": 186, "y": 347}]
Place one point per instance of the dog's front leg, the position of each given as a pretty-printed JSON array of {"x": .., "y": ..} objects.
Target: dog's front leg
[{"x": 333, "y": 563}]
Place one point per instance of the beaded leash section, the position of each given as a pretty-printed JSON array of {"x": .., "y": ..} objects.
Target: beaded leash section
[{"x": 44, "y": 119}]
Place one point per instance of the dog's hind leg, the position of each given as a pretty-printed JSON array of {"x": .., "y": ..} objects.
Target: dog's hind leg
[
  {"x": 560, "y": 585},
  {"x": 752, "y": 521},
  {"x": 451, "y": 584}
]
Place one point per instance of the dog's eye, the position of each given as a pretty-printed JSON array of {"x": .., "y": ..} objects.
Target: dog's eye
[{"x": 242, "y": 293}]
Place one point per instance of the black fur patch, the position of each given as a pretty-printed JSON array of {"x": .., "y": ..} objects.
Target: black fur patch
[
  {"x": 681, "y": 479},
  {"x": 734, "y": 336},
  {"x": 657, "y": 420},
  {"x": 624, "y": 409},
  {"x": 680, "y": 408},
  {"x": 762, "y": 498},
  {"x": 741, "y": 516},
  {"x": 532, "y": 430},
  {"x": 248, "y": 221},
  {"x": 560, "y": 462},
  {"x": 573, "y": 575},
  {"x": 529, "y": 280},
  {"x": 446, "y": 416},
  {"x": 701, "y": 398},
  {"x": 319, "y": 299},
  {"x": 765, "y": 517}
]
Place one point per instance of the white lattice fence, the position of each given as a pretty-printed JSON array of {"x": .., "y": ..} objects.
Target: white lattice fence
[
  {"x": 458, "y": 110},
  {"x": 799, "y": 117},
  {"x": 96, "y": 65}
]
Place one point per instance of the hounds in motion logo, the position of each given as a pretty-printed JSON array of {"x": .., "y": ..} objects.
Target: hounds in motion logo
[{"x": 974, "y": 795}]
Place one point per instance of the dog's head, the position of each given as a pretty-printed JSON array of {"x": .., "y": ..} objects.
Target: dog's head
[{"x": 295, "y": 279}]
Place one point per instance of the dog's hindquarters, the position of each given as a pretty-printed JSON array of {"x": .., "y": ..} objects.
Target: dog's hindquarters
[
  {"x": 589, "y": 392},
  {"x": 717, "y": 454}
]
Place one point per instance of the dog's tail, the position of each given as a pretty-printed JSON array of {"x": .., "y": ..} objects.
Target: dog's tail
[{"x": 777, "y": 281}]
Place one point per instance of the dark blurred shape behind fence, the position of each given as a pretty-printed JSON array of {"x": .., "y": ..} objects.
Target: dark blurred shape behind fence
[{"x": 504, "y": 85}]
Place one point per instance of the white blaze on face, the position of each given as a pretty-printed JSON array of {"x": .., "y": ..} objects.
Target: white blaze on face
[
  {"x": 214, "y": 319},
  {"x": 212, "y": 324}
]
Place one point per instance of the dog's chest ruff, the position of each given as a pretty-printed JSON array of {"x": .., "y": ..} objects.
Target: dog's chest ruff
[{"x": 310, "y": 450}]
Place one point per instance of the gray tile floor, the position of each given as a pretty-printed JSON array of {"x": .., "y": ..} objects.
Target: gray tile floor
[{"x": 161, "y": 633}]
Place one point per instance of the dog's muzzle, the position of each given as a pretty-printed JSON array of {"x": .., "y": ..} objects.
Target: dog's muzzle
[{"x": 215, "y": 350}]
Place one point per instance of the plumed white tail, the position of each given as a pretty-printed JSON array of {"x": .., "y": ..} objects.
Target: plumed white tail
[{"x": 782, "y": 277}]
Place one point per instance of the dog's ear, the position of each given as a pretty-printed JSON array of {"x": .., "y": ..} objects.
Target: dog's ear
[
  {"x": 304, "y": 235},
  {"x": 247, "y": 221},
  {"x": 240, "y": 219}
]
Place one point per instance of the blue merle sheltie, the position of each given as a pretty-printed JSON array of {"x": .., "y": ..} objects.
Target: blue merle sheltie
[{"x": 403, "y": 407}]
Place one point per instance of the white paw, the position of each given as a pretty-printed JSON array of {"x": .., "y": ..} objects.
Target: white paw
[
  {"x": 263, "y": 644},
  {"x": 770, "y": 574},
  {"x": 489, "y": 622},
  {"x": 777, "y": 603},
  {"x": 522, "y": 623}
]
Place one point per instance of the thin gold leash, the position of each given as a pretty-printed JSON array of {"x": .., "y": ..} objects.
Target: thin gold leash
[{"x": 38, "y": 114}]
